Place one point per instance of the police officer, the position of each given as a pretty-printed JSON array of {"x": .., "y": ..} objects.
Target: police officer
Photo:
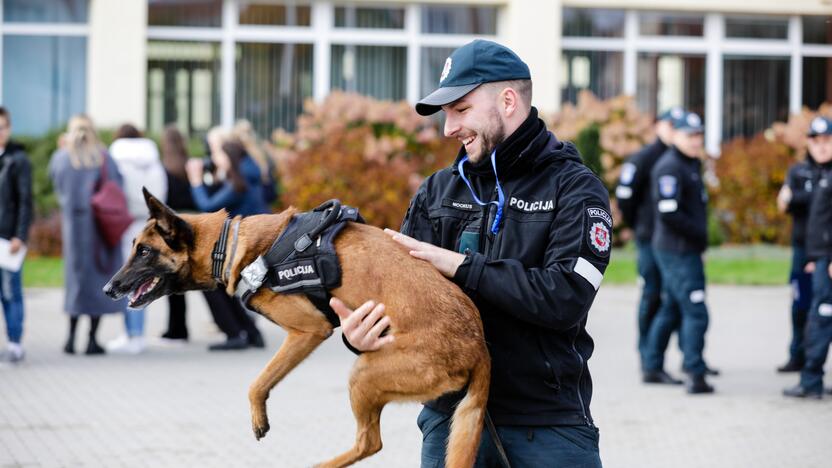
[
  {"x": 679, "y": 240},
  {"x": 636, "y": 204},
  {"x": 819, "y": 251},
  {"x": 523, "y": 227},
  {"x": 794, "y": 199}
]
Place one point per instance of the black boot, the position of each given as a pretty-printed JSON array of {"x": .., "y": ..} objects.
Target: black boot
[
  {"x": 255, "y": 340},
  {"x": 794, "y": 365},
  {"x": 799, "y": 391},
  {"x": 238, "y": 342},
  {"x": 697, "y": 385},
  {"x": 69, "y": 347},
  {"x": 93, "y": 347},
  {"x": 659, "y": 377}
]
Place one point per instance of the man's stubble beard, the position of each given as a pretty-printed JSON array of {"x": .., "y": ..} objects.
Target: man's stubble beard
[{"x": 494, "y": 134}]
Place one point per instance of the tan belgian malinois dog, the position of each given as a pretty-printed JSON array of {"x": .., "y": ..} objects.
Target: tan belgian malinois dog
[{"x": 439, "y": 345}]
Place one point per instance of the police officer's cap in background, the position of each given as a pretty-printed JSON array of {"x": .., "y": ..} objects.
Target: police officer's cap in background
[
  {"x": 671, "y": 114},
  {"x": 820, "y": 126},
  {"x": 469, "y": 66},
  {"x": 689, "y": 122}
]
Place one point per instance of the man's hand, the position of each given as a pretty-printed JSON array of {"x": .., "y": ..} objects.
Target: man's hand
[
  {"x": 363, "y": 326},
  {"x": 446, "y": 261},
  {"x": 830, "y": 270},
  {"x": 194, "y": 170},
  {"x": 783, "y": 198},
  {"x": 810, "y": 267},
  {"x": 15, "y": 244}
]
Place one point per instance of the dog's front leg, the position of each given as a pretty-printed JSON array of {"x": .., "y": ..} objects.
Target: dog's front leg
[{"x": 295, "y": 348}]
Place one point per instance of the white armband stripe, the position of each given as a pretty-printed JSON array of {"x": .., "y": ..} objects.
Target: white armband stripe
[
  {"x": 668, "y": 206},
  {"x": 589, "y": 272},
  {"x": 623, "y": 192}
]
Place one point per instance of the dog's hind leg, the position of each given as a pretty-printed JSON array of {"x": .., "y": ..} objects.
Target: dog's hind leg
[{"x": 295, "y": 348}]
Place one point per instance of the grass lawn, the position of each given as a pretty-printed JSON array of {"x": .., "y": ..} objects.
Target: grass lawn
[
  {"x": 744, "y": 265},
  {"x": 748, "y": 265}
]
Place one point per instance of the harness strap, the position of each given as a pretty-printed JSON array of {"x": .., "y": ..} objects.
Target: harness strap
[
  {"x": 218, "y": 254},
  {"x": 320, "y": 298},
  {"x": 230, "y": 263},
  {"x": 496, "y": 439}
]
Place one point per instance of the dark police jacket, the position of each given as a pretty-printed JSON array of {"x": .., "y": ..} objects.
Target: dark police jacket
[
  {"x": 801, "y": 181},
  {"x": 819, "y": 226},
  {"x": 15, "y": 193},
  {"x": 681, "y": 204},
  {"x": 635, "y": 199},
  {"x": 535, "y": 280}
]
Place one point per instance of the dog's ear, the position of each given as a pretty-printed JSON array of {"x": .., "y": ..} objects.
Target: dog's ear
[{"x": 175, "y": 231}]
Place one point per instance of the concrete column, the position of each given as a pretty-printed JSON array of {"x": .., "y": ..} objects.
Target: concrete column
[
  {"x": 533, "y": 31},
  {"x": 117, "y": 62}
]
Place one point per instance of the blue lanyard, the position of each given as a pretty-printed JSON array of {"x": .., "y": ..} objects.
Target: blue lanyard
[{"x": 495, "y": 227}]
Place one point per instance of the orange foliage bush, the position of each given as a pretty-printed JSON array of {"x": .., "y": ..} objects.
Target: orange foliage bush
[{"x": 369, "y": 154}]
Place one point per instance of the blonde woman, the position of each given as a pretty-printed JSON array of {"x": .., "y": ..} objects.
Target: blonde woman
[
  {"x": 88, "y": 262},
  {"x": 244, "y": 132}
]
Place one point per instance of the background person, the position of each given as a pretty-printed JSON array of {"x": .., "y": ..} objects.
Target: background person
[
  {"x": 635, "y": 200},
  {"x": 236, "y": 187},
  {"x": 15, "y": 218},
  {"x": 138, "y": 163},
  {"x": 88, "y": 262},
  {"x": 244, "y": 132},
  {"x": 794, "y": 199}
]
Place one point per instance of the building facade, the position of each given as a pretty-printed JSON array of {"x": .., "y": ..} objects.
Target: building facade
[{"x": 199, "y": 63}]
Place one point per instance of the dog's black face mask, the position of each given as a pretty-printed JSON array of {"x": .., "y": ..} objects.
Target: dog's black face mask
[{"x": 159, "y": 259}]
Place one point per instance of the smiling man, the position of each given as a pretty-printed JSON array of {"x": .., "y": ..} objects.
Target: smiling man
[{"x": 523, "y": 227}]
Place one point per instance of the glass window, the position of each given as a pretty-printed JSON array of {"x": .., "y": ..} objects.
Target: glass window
[
  {"x": 183, "y": 85},
  {"x": 447, "y": 19},
  {"x": 756, "y": 94},
  {"x": 377, "y": 71},
  {"x": 369, "y": 18},
  {"x": 205, "y": 13},
  {"x": 273, "y": 81},
  {"x": 756, "y": 27},
  {"x": 667, "y": 80},
  {"x": 599, "y": 72},
  {"x": 263, "y": 12},
  {"x": 670, "y": 24},
  {"x": 817, "y": 29},
  {"x": 44, "y": 80},
  {"x": 433, "y": 61},
  {"x": 45, "y": 11},
  {"x": 817, "y": 81},
  {"x": 586, "y": 22}
]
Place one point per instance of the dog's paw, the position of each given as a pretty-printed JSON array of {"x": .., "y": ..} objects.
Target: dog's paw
[{"x": 260, "y": 430}]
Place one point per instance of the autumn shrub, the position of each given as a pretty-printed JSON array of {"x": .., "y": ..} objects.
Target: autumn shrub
[{"x": 367, "y": 153}]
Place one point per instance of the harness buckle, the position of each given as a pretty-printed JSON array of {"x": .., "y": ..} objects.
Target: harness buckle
[{"x": 303, "y": 242}]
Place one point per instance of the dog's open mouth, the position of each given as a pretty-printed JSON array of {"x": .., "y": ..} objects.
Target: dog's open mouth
[{"x": 145, "y": 288}]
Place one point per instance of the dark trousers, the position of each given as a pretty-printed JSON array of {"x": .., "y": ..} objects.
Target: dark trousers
[
  {"x": 525, "y": 446},
  {"x": 651, "y": 290},
  {"x": 818, "y": 328},
  {"x": 177, "y": 325},
  {"x": 683, "y": 296},
  {"x": 801, "y": 283},
  {"x": 229, "y": 314}
]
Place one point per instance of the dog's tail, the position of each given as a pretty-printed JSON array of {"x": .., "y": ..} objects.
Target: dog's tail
[{"x": 466, "y": 424}]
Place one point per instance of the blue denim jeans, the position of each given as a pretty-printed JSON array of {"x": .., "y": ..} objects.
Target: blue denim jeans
[
  {"x": 11, "y": 295},
  {"x": 651, "y": 290},
  {"x": 134, "y": 322},
  {"x": 683, "y": 297},
  {"x": 818, "y": 328},
  {"x": 525, "y": 446},
  {"x": 801, "y": 283}
]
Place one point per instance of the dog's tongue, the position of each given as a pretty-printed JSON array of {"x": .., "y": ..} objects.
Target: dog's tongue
[{"x": 141, "y": 290}]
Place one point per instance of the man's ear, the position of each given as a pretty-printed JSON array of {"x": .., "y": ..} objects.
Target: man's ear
[{"x": 175, "y": 231}]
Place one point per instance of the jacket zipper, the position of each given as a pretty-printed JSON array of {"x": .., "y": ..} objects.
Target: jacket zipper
[{"x": 580, "y": 377}]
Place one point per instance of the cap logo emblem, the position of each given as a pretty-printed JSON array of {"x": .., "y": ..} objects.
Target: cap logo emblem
[
  {"x": 677, "y": 113},
  {"x": 819, "y": 125},
  {"x": 446, "y": 69},
  {"x": 694, "y": 120}
]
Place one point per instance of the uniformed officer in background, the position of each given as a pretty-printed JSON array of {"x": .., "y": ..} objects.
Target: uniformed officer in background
[
  {"x": 635, "y": 201},
  {"x": 680, "y": 238},
  {"x": 818, "y": 251},
  {"x": 794, "y": 199}
]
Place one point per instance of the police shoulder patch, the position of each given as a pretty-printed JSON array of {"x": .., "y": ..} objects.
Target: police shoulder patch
[
  {"x": 628, "y": 172},
  {"x": 667, "y": 186},
  {"x": 598, "y": 235}
]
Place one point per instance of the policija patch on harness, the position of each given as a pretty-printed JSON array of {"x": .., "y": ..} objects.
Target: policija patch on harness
[{"x": 598, "y": 231}]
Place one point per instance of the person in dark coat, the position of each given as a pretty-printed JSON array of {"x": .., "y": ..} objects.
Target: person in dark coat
[
  {"x": 236, "y": 188},
  {"x": 89, "y": 263}
]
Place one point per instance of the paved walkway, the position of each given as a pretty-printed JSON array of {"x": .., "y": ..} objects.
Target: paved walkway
[{"x": 185, "y": 407}]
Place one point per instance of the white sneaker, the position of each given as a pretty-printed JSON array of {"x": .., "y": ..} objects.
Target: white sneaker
[
  {"x": 117, "y": 343},
  {"x": 14, "y": 353},
  {"x": 133, "y": 345}
]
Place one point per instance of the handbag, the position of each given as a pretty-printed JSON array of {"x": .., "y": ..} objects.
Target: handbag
[{"x": 109, "y": 208}]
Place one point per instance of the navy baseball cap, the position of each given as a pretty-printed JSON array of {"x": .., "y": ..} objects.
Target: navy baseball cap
[
  {"x": 820, "y": 126},
  {"x": 689, "y": 122},
  {"x": 671, "y": 114},
  {"x": 469, "y": 66}
]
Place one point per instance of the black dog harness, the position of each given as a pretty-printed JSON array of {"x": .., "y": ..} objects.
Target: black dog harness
[{"x": 303, "y": 258}]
